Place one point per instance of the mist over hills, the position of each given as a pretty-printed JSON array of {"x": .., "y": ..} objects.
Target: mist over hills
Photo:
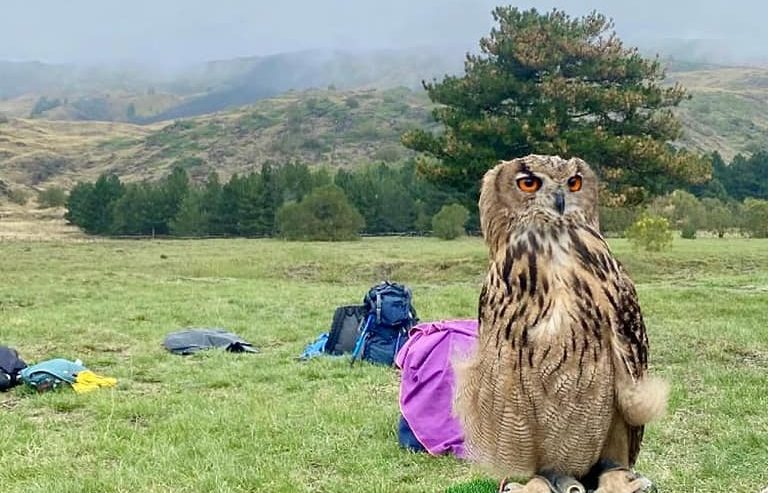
[
  {"x": 143, "y": 94},
  {"x": 209, "y": 87},
  {"x": 248, "y": 80}
]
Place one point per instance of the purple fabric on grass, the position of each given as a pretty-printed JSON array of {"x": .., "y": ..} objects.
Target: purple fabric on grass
[{"x": 427, "y": 382}]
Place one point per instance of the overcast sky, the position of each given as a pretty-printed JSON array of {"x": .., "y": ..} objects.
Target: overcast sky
[{"x": 177, "y": 32}]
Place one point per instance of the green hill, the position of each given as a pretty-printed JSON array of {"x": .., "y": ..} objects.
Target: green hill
[
  {"x": 319, "y": 127},
  {"x": 728, "y": 112}
]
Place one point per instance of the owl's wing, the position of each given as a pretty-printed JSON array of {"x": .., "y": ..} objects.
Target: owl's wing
[
  {"x": 630, "y": 330},
  {"x": 632, "y": 339}
]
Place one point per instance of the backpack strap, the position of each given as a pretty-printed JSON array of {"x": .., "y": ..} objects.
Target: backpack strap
[{"x": 360, "y": 343}]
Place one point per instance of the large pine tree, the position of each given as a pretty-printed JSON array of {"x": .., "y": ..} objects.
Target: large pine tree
[{"x": 548, "y": 83}]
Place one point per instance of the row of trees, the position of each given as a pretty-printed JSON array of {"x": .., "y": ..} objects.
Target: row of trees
[
  {"x": 744, "y": 177},
  {"x": 290, "y": 199},
  {"x": 652, "y": 230},
  {"x": 734, "y": 200},
  {"x": 691, "y": 215}
]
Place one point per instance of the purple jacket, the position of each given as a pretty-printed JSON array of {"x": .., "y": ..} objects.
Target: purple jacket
[{"x": 426, "y": 385}]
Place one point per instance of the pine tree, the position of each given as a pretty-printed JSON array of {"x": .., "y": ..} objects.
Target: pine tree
[
  {"x": 551, "y": 84},
  {"x": 192, "y": 217}
]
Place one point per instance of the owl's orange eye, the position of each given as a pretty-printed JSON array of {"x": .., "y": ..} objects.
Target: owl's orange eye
[
  {"x": 528, "y": 184},
  {"x": 574, "y": 183}
]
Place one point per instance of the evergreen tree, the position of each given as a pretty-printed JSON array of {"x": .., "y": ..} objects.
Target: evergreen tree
[
  {"x": 745, "y": 177},
  {"x": 171, "y": 193},
  {"x": 228, "y": 216},
  {"x": 192, "y": 217},
  {"x": 552, "y": 84},
  {"x": 139, "y": 211},
  {"x": 211, "y": 203},
  {"x": 713, "y": 188},
  {"x": 270, "y": 199},
  {"x": 250, "y": 216},
  {"x": 78, "y": 211},
  {"x": 91, "y": 206},
  {"x": 295, "y": 180}
]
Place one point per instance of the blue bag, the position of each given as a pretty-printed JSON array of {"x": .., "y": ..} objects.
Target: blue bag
[{"x": 390, "y": 316}]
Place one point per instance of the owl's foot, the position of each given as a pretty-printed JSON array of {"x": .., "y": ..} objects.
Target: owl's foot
[
  {"x": 546, "y": 482},
  {"x": 609, "y": 477},
  {"x": 623, "y": 481}
]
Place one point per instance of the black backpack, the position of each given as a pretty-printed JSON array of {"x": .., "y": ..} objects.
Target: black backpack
[
  {"x": 345, "y": 327},
  {"x": 389, "y": 316},
  {"x": 10, "y": 367}
]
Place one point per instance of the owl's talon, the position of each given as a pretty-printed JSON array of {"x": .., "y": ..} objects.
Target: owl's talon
[{"x": 624, "y": 481}]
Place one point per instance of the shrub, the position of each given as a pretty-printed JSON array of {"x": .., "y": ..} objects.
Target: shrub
[
  {"x": 650, "y": 233},
  {"x": 18, "y": 196},
  {"x": 682, "y": 209},
  {"x": 388, "y": 154},
  {"x": 755, "y": 218},
  {"x": 325, "y": 214},
  {"x": 52, "y": 197},
  {"x": 719, "y": 216},
  {"x": 449, "y": 222},
  {"x": 688, "y": 231}
]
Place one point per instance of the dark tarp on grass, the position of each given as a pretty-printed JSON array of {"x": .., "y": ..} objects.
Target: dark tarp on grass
[{"x": 190, "y": 341}]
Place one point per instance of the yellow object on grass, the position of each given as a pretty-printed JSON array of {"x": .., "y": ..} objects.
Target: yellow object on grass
[{"x": 86, "y": 381}]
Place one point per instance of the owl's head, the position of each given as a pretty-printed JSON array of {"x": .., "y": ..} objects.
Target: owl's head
[{"x": 541, "y": 190}]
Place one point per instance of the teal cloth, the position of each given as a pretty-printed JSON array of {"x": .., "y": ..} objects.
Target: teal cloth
[{"x": 51, "y": 373}]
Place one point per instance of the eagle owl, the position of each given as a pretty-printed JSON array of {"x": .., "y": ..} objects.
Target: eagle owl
[{"x": 557, "y": 387}]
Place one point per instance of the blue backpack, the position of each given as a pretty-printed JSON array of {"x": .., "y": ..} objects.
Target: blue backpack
[{"x": 390, "y": 315}]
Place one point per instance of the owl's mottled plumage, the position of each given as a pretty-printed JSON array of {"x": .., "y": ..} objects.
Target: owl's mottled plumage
[{"x": 558, "y": 378}]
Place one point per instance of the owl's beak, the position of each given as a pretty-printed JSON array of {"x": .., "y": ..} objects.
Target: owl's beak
[{"x": 560, "y": 201}]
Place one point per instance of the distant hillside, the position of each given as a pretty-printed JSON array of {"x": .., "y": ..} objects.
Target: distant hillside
[
  {"x": 319, "y": 127},
  {"x": 728, "y": 112},
  {"x": 35, "y": 153}
]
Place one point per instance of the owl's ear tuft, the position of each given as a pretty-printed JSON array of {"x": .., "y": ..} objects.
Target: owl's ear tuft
[{"x": 488, "y": 199}]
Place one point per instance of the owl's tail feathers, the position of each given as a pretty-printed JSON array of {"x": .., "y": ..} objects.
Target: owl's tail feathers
[{"x": 643, "y": 401}]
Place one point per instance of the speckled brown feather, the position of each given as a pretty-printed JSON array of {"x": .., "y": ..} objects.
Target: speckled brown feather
[{"x": 561, "y": 333}]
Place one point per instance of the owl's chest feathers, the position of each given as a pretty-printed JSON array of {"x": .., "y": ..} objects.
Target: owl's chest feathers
[{"x": 546, "y": 299}]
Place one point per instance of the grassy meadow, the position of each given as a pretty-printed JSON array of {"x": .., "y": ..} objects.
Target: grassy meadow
[{"x": 218, "y": 422}]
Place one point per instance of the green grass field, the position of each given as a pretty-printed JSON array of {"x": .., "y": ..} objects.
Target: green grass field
[{"x": 219, "y": 422}]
